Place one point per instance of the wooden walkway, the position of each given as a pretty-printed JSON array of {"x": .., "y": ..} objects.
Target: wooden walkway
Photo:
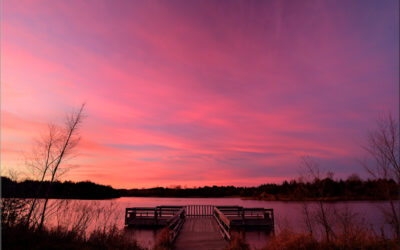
[{"x": 200, "y": 233}]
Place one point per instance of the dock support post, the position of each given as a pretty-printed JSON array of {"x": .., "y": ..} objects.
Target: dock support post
[{"x": 243, "y": 221}]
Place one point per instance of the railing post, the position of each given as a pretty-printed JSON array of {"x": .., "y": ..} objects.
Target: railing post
[
  {"x": 243, "y": 222},
  {"x": 273, "y": 221},
  {"x": 126, "y": 216}
]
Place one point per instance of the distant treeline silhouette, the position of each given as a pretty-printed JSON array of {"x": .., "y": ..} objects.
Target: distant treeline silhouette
[
  {"x": 59, "y": 190},
  {"x": 325, "y": 189}
]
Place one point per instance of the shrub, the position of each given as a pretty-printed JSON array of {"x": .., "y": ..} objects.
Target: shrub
[
  {"x": 23, "y": 237},
  {"x": 289, "y": 240},
  {"x": 300, "y": 241},
  {"x": 237, "y": 242},
  {"x": 164, "y": 241}
]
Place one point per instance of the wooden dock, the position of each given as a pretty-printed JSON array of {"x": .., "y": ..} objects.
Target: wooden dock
[
  {"x": 200, "y": 233},
  {"x": 201, "y": 226}
]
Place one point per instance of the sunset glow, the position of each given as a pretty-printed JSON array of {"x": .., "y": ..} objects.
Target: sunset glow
[{"x": 196, "y": 93}]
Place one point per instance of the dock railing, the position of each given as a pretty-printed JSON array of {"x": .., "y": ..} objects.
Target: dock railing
[
  {"x": 237, "y": 216},
  {"x": 175, "y": 223},
  {"x": 223, "y": 223},
  {"x": 199, "y": 210},
  {"x": 151, "y": 215}
]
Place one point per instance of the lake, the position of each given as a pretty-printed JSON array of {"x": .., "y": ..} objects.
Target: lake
[{"x": 288, "y": 215}]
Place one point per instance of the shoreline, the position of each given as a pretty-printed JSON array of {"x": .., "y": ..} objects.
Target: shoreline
[
  {"x": 281, "y": 199},
  {"x": 327, "y": 199}
]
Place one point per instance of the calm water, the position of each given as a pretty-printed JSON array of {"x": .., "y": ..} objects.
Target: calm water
[{"x": 287, "y": 214}]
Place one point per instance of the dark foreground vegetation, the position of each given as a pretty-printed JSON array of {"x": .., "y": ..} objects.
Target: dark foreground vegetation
[
  {"x": 58, "y": 190},
  {"x": 360, "y": 240},
  {"x": 23, "y": 237},
  {"x": 304, "y": 241},
  {"x": 326, "y": 189},
  {"x": 69, "y": 225}
]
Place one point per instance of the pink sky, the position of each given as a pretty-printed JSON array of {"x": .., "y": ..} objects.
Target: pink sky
[{"x": 197, "y": 93}]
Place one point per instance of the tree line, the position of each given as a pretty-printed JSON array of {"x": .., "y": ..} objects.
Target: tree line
[
  {"x": 59, "y": 190},
  {"x": 320, "y": 189},
  {"x": 352, "y": 188}
]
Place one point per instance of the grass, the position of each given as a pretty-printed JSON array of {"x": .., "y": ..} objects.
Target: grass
[
  {"x": 164, "y": 240},
  {"x": 238, "y": 242},
  {"x": 287, "y": 239},
  {"x": 22, "y": 237}
]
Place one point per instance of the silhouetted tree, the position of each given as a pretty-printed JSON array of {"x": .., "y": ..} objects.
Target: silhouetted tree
[
  {"x": 66, "y": 139},
  {"x": 48, "y": 156},
  {"x": 322, "y": 213},
  {"x": 383, "y": 148},
  {"x": 43, "y": 157}
]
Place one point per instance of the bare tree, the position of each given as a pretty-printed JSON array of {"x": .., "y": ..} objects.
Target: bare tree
[
  {"x": 65, "y": 141},
  {"x": 303, "y": 194},
  {"x": 44, "y": 156},
  {"x": 48, "y": 156},
  {"x": 321, "y": 214},
  {"x": 383, "y": 149}
]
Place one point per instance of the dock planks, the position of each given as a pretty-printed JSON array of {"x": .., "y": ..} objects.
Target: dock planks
[{"x": 200, "y": 233}]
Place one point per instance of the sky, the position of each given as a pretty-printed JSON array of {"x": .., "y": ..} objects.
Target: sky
[{"x": 196, "y": 93}]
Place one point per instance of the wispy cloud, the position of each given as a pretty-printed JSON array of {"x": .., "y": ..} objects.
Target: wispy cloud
[{"x": 143, "y": 147}]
